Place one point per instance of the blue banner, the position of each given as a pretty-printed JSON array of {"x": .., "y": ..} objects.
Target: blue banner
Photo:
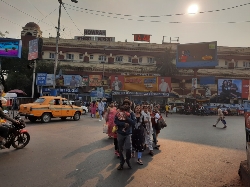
[
  {"x": 41, "y": 79},
  {"x": 207, "y": 80},
  {"x": 62, "y": 90},
  {"x": 164, "y": 94}
]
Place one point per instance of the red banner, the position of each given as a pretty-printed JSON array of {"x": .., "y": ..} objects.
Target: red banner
[
  {"x": 142, "y": 37},
  {"x": 164, "y": 84},
  {"x": 117, "y": 82},
  {"x": 245, "y": 89}
]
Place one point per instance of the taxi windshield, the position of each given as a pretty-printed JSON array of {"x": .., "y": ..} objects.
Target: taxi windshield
[{"x": 39, "y": 100}]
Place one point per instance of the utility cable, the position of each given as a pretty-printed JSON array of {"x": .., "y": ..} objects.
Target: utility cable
[{"x": 154, "y": 16}]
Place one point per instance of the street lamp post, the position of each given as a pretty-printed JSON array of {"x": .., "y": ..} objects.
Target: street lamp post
[{"x": 57, "y": 39}]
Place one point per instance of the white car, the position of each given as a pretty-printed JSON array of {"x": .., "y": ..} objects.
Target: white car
[{"x": 85, "y": 110}]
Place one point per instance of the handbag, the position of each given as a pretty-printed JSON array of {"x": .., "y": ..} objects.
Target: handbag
[
  {"x": 105, "y": 128},
  {"x": 114, "y": 129}
]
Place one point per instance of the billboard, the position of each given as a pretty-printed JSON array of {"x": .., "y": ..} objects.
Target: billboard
[
  {"x": 230, "y": 88},
  {"x": 33, "y": 49},
  {"x": 117, "y": 82},
  {"x": 140, "y": 83},
  {"x": 85, "y": 80},
  {"x": 95, "y": 80},
  {"x": 10, "y": 47},
  {"x": 164, "y": 84},
  {"x": 94, "y": 32},
  {"x": 105, "y": 39},
  {"x": 86, "y": 38},
  {"x": 41, "y": 79},
  {"x": 196, "y": 55},
  {"x": 71, "y": 81},
  {"x": 142, "y": 37},
  {"x": 245, "y": 89}
]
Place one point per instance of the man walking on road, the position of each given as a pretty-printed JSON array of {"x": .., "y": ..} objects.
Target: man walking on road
[
  {"x": 124, "y": 122},
  {"x": 100, "y": 107},
  {"x": 220, "y": 117}
]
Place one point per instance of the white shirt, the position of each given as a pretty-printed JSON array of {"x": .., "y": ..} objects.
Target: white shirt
[
  {"x": 116, "y": 85},
  {"x": 157, "y": 116},
  {"x": 220, "y": 112},
  {"x": 164, "y": 87}
]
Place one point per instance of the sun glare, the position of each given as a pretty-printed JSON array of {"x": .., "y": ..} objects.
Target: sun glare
[{"x": 193, "y": 9}]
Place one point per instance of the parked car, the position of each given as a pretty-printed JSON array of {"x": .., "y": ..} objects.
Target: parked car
[{"x": 47, "y": 107}]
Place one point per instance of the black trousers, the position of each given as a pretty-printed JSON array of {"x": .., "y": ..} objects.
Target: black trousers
[{"x": 3, "y": 132}]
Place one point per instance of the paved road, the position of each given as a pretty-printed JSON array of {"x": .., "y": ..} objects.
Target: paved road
[{"x": 71, "y": 154}]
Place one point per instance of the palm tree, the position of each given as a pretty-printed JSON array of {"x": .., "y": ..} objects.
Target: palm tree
[{"x": 164, "y": 63}]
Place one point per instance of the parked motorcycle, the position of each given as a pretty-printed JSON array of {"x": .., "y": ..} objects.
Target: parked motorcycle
[{"x": 18, "y": 137}]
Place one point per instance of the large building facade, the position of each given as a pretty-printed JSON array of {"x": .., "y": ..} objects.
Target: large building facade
[{"x": 106, "y": 59}]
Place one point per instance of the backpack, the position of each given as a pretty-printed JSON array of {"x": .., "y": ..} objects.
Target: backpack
[{"x": 160, "y": 124}]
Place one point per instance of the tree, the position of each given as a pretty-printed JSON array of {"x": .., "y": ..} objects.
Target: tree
[{"x": 165, "y": 64}]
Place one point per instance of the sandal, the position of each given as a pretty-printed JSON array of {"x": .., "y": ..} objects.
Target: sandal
[
  {"x": 151, "y": 153},
  {"x": 139, "y": 162}
]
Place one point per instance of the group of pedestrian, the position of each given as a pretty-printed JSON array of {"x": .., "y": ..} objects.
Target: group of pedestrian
[{"x": 132, "y": 130}]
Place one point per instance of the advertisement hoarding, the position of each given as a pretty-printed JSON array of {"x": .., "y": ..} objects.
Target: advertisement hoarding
[
  {"x": 95, "y": 80},
  {"x": 207, "y": 80},
  {"x": 41, "y": 79},
  {"x": 33, "y": 49},
  {"x": 71, "y": 81},
  {"x": 164, "y": 84},
  {"x": 85, "y": 80},
  {"x": 142, "y": 37},
  {"x": 117, "y": 82},
  {"x": 85, "y": 38},
  {"x": 105, "y": 39},
  {"x": 230, "y": 88},
  {"x": 10, "y": 47},
  {"x": 197, "y": 55},
  {"x": 140, "y": 83},
  {"x": 245, "y": 89}
]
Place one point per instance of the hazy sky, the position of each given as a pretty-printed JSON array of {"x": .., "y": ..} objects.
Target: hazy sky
[{"x": 211, "y": 26}]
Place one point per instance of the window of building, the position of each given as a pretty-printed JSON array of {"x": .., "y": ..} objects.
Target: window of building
[
  {"x": 102, "y": 58},
  {"x": 51, "y": 55},
  {"x": 150, "y": 60},
  {"x": 130, "y": 59},
  {"x": 244, "y": 64},
  {"x": 70, "y": 56},
  {"x": 140, "y": 60},
  {"x": 236, "y": 64},
  {"x": 118, "y": 58},
  {"x": 91, "y": 57},
  {"x": 80, "y": 56},
  {"x": 225, "y": 63}
]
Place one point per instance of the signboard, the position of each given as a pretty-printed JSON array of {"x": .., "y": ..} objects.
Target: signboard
[
  {"x": 197, "y": 55},
  {"x": 105, "y": 39},
  {"x": 94, "y": 32},
  {"x": 61, "y": 90},
  {"x": 162, "y": 94},
  {"x": 245, "y": 89},
  {"x": 41, "y": 79},
  {"x": 10, "y": 47},
  {"x": 140, "y": 83},
  {"x": 85, "y": 80},
  {"x": 142, "y": 37},
  {"x": 33, "y": 49},
  {"x": 117, "y": 82},
  {"x": 230, "y": 88},
  {"x": 72, "y": 81},
  {"x": 164, "y": 84},
  {"x": 95, "y": 80},
  {"x": 86, "y": 38}
]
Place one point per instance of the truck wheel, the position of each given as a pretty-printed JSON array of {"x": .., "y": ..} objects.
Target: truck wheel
[
  {"x": 46, "y": 117},
  {"x": 76, "y": 117}
]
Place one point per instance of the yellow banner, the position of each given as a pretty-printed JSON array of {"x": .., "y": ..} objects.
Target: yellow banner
[{"x": 140, "y": 83}]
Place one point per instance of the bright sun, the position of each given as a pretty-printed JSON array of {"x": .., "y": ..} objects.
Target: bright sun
[{"x": 193, "y": 9}]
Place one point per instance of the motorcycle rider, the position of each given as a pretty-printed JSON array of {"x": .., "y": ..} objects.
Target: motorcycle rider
[{"x": 4, "y": 130}]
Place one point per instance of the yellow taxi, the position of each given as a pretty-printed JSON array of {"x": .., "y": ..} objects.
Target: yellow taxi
[{"x": 47, "y": 107}]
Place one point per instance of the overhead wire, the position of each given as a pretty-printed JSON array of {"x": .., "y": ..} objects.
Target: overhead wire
[
  {"x": 154, "y": 16},
  {"x": 72, "y": 19},
  {"x": 154, "y": 21}
]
